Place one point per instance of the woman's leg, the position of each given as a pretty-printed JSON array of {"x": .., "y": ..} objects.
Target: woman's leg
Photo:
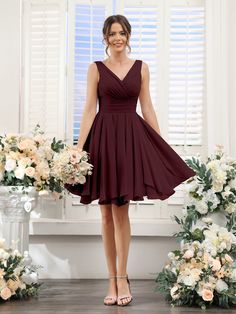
[
  {"x": 109, "y": 246},
  {"x": 122, "y": 239}
]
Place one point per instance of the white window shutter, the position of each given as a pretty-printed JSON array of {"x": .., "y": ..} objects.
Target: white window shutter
[
  {"x": 186, "y": 81},
  {"x": 85, "y": 47},
  {"x": 186, "y": 74},
  {"x": 44, "y": 66}
]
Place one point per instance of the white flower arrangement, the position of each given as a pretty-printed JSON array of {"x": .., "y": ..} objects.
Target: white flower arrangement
[
  {"x": 18, "y": 276},
  {"x": 203, "y": 271},
  {"x": 214, "y": 186},
  {"x": 39, "y": 162}
]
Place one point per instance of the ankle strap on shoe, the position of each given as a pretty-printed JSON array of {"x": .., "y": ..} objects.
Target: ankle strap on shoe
[
  {"x": 112, "y": 276},
  {"x": 125, "y": 276}
]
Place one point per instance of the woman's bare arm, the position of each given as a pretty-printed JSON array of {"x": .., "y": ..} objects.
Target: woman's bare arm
[
  {"x": 147, "y": 109},
  {"x": 90, "y": 108}
]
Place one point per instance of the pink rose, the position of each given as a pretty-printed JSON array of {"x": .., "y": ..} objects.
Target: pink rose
[
  {"x": 216, "y": 265},
  {"x": 5, "y": 293},
  {"x": 188, "y": 254},
  {"x": 207, "y": 295}
]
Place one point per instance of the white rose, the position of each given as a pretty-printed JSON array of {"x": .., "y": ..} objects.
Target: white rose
[
  {"x": 218, "y": 187},
  {"x": 189, "y": 281},
  {"x": 173, "y": 293},
  {"x": 171, "y": 255},
  {"x": 16, "y": 252},
  {"x": 201, "y": 207},
  {"x": 231, "y": 208},
  {"x": 19, "y": 173},
  {"x": 4, "y": 254},
  {"x": 81, "y": 179},
  {"x": 10, "y": 165},
  {"x": 221, "y": 285},
  {"x": 226, "y": 192},
  {"x": 223, "y": 246}
]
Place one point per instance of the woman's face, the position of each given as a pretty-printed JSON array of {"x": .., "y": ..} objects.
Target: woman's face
[{"x": 116, "y": 39}]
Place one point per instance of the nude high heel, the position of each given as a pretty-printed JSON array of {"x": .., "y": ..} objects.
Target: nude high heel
[
  {"x": 110, "y": 297},
  {"x": 121, "y": 297}
]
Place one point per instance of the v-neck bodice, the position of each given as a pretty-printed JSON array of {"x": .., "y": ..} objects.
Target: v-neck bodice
[
  {"x": 116, "y": 95},
  {"x": 126, "y": 75}
]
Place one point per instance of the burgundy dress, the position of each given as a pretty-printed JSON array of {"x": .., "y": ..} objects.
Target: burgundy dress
[{"x": 130, "y": 158}]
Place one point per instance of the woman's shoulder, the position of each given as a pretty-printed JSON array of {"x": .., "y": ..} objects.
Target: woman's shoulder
[{"x": 92, "y": 69}]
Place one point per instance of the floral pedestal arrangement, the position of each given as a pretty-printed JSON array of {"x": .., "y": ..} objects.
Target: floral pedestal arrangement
[
  {"x": 15, "y": 206},
  {"x": 30, "y": 165},
  {"x": 18, "y": 276},
  {"x": 203, "y": 271}
]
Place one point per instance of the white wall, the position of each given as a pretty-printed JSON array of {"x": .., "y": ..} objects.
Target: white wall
[
  {"x": 9, "y": 65},
  {"x": 83, "y": 256},
  {"x": 232, "y": 74}
]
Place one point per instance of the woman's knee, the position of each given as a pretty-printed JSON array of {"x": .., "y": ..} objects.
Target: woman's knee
[
  {"x": 120, "y": 214},
  {"x": 106, "y": 212}
]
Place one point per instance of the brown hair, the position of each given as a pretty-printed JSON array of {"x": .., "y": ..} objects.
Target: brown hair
[{"x": 122, "y": 20}]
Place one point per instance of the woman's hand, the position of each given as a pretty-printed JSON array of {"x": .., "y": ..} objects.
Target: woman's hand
[{"x": 78, "y": 148}]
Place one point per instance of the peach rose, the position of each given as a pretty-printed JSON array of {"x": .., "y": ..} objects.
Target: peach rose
[
  {"x": 2, "y": 272},
  {"x": 5, "y": 293},
  {"x": 30, "y": 171},
  {"x": 26, "y": 144},
  {"x": 13, "y": 285},
  {"x": 207, "y": 295}
]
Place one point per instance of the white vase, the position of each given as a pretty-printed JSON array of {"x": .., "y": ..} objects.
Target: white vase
[{"x": 15, "y": 210}]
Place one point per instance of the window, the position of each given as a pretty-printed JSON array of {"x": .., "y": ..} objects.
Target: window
[
  {"x": 44, "y": 66},
  {"x": 186, "y": 75},
  {"x": 88, "y": 48},
  {"x": 62, "y": 37}
]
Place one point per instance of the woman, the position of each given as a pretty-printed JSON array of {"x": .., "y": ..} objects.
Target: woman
[{"x": 130, "y": 158}]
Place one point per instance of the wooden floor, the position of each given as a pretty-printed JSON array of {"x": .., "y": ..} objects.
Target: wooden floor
[{"x": 86, "y": 296}]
